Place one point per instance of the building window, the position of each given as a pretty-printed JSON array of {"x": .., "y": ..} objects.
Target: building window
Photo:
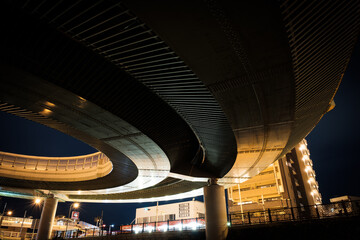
[
  {"x": 299, "y": 194},
  {"x": 170, "y": 217},
  {"x": 271, "y": 199},
  {"x": 266, "y": 186},
  {"x": 242, "y": 189},
  {"x": 296, "y": 182},
  {"x": 184, "y": 210},
  {"x": 267, "y": 172}
]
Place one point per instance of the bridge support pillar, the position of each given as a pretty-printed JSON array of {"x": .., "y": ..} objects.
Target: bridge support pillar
[
  {"x": 47, "y": 218},
  {"x": 215, "y": 211}
]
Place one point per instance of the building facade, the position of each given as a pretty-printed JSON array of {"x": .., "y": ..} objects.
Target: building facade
[
  {"x": 288, "y": 182},
  {"x": 27, "y": 228},
  {"x": 173, "y": 211}
]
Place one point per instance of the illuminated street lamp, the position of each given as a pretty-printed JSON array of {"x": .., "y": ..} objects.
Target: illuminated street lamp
[
  {"x": 9, "y": 213},
  {"x": 110, "y": 226},
  {"x": 72, "y": 206},
  {"x": 37, "y": 201}
]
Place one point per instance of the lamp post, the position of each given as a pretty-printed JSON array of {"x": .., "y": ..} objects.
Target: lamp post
[
  {"x": 72, "y": 206},
  {"x": 2, "y": 216},
  {"x": 22, "y": 223},
  {"x": 110, "y": 226},
  {"x": 37, "y": 201},
  {"x": 102, "y": 229}
]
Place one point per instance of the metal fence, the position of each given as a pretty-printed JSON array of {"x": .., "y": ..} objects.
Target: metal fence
[
  {"x": 331, "y": 210},
  {"x": 16, "y": 235}
]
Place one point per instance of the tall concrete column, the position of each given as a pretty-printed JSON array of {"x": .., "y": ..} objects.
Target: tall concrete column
[
  {"x": 215, "y": 211},
  {"x": 47, "y": 218}
]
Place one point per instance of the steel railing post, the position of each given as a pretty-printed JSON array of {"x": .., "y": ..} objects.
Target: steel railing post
[
  {"x": 292, "y": 213},
  {"x": 344, "y": 208},
  {"x": 269, "y": 213},
  {"x": 317, "y": 212}
]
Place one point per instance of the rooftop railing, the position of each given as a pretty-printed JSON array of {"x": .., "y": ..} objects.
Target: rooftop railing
[
  {"x": 36, "y": 167},
  {"x": 52, "y": 163}
]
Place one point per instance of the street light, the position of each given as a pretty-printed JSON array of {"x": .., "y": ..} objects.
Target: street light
[
  {"x": 9, "y": 213},
  {"x": 102, "y": 229},
  {"x": 72, "y": 206},
  {"x": 37, "y": 201},
  {"x": 110, "y": 226}
]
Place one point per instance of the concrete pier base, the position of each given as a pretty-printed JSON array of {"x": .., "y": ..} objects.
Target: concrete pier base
[
  {"x": 215, "y": 211},
  {"x": 47, "y": 218}
]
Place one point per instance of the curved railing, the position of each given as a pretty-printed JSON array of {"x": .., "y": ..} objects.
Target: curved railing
[{"x": 78, "y": 168}]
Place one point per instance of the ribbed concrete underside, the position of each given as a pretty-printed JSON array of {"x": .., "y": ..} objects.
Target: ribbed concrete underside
[{"x": 222, "y": 88}]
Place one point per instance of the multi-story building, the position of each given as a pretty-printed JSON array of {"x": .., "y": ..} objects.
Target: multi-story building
[
  {"x": 288, "y": 182},
  {"x": 174, "y": 216}
]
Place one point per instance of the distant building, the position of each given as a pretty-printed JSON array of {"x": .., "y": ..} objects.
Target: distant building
[
  {"x": 26, "y": 228},
  {"x": 173, "y": 211},
  {"x": 288, "y": 182},
  {"x": 345, "y": 199},
  {"x": 345, "y": 205}
]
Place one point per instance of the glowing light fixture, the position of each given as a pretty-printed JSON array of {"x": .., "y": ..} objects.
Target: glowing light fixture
[
  {"x": 45, "y": 112},
  {"x": 50, "y": 104},
  {"x": 302, "y": 147},
  {"x": 37, "y": 201},
  {"x": 304, "y": 158}
]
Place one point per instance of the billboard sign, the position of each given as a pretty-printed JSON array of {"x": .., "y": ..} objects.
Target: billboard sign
[{"x": 75, "y": 215}]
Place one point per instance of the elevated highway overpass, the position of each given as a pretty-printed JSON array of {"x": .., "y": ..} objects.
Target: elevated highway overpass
[{"x": 173, "y": 93}]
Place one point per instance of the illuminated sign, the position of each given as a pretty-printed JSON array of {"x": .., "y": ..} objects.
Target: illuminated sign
[{"x": 75, "y": 215}]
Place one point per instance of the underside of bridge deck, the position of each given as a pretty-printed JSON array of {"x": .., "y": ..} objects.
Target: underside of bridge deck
[{"x": 173, "y": 92}]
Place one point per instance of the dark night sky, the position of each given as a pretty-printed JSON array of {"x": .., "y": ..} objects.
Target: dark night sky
[
  {"x": 26, "y": 137},
  {"x": 334, "y": 142},
  {"x": 333, "y": 147}
]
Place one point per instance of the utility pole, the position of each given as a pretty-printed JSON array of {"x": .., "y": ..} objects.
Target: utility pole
[
  {"x": 2, "y": 216},
  {"x": 241, "y": 205},
  {"x": 263, "y": 205},
  {"x": 157, "y": 209},
  {"x": 34, "y": 229},
  {"x": 22, "y": 223},
  {"x": 102, "y": 222}
]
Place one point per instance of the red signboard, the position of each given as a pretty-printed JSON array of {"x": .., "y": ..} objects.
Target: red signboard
[
  {"x": 161, "y": 226},
  {"x": 126, "y": 228},
  {"x": 75, "y": 215},
  {"x": 175, "y": 225}
]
